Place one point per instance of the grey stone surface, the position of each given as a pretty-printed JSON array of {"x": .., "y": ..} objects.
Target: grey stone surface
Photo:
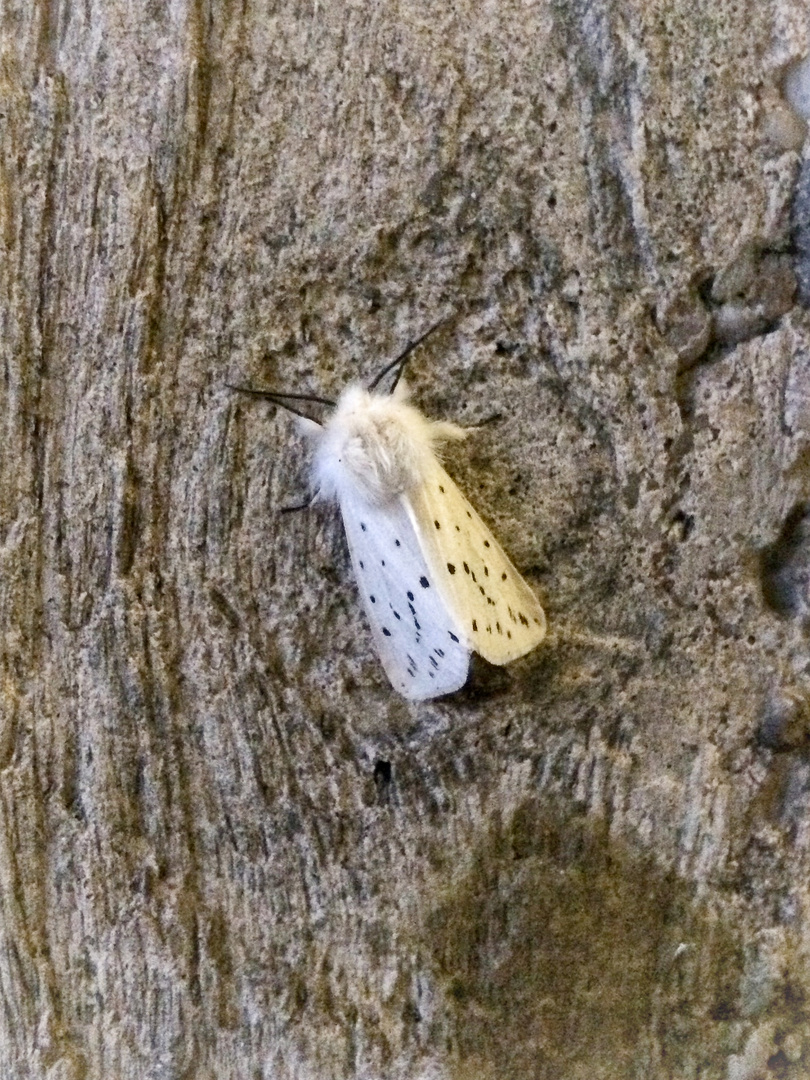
[{"x": 227, "y": 849}]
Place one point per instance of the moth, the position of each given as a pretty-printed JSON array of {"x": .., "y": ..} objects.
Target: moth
[{"x": 435, "y": 583}]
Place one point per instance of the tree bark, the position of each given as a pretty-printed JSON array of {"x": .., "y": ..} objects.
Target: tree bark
[{"x": 227, "y": 848}]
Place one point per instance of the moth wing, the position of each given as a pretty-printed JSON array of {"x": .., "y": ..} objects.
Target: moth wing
[
  {"x": 489, "y": 600},
  {"x": 419, "y": 645}
]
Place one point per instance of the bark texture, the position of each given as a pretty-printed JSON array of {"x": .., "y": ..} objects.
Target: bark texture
[{"x": 227, "y": 848}]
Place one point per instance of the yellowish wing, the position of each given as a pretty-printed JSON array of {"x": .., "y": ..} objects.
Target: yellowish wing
[{"x": 493, "y": 607}]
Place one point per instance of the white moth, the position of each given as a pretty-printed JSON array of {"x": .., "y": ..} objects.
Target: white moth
[{"x": 434, "y": 582}]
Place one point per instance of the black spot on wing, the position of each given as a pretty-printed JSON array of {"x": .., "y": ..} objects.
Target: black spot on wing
[
  {"x": 363, "y": 526},
  {"x": 386, "y": 631},
  {"x": 452, "y": 635},
  {"x": 423, "y": 581},
  {"x": 486, "y": 543},
  {"x": 441, "y": 489},
  {"x": 475, "y": 626},
  {"x": 398, "y": 543},
  {"x": 436, "y": 523},
  {"x": 373, "y": 599},
  {"x": 450, "y": 568},
  {"x": 410, "y": 596},
  {"x": 503, "y": 576}
]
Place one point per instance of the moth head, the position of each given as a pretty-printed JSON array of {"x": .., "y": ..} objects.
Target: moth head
[{"x": 373, "y": 445}]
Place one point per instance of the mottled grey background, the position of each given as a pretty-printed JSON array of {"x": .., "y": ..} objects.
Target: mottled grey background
[{"x": 227, "y": 849}]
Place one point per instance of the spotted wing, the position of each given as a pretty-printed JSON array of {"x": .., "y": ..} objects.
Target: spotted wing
[
  {"x": 483, "y": 592},
  {"x": 421, "y": 648}
]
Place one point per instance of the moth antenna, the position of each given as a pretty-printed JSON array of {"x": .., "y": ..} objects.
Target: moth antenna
[
  {"x": 302, "y": 397},
  {"x": 275, "y": 397},
  {"x": 402, "y": 359}
]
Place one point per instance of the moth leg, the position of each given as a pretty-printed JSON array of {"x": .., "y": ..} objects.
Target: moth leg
[{"x": 297, "y": 506}]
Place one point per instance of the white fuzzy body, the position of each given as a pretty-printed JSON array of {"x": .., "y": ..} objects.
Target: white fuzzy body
[
  {"x": 434, "y": 582},
  {"x": 376, "y": 445}
]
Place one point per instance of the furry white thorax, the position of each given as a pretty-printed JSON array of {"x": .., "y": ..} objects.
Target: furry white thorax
[{"x": 376, "y": 445}]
